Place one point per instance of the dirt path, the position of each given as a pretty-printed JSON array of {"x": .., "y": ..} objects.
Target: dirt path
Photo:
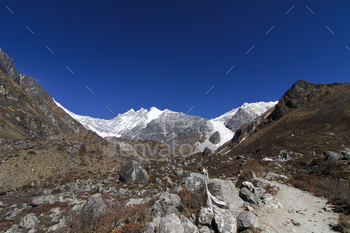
[{"x": 300, "y": 212}]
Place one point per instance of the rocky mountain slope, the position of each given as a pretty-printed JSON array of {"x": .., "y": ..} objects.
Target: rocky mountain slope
[
  {"x": 20, "y": 115},
  {"x": 166, "y": 125},
  {"x": 309, "y": 119},
  {"x": 7, "y": 66},
  {"x": 27, "y": 109}
]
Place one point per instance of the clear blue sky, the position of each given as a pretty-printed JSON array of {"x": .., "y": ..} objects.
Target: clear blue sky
[{"x": 168, "y": 54}]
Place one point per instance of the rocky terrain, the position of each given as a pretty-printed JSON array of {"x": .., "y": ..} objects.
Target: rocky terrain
[
  {"x": 285, "y": 171},
  {"x": 165, "y": 197}
]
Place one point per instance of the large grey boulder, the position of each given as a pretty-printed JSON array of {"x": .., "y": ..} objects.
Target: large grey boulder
[
  {"x": 247, "y": 195},
  {"x": 29, "y": 221},
  {"x": 224, "y": 221},
  {"x": 205, "y": 229},
  {"x": 215, "y": 138},
  {"x": 166, "y": 204},
  {"x": 226, "y": 191},
  {"x": 12, "y": 213},
  {"x": 151, "y": 227},
  {"x": 134, "y": 173},
  {"x": 248, "y": 185},
  {"x": 94, "y": 207},
  {"x": 42, "y": 200},
  {"x": 332, "y": 156},
  {"x": 171, "y": 224},
  {"x": 247, "y": 220},
  {"x": 188, "y": 226},
  {"x": 205, "y": 216},
  {"x": 14, "y": 229},
  {"x": 271, "y": 176},
  {"x": 57, "y": 226},
  {"x": 259, "y": 192},
  {"x": 56, "y": 214},
  {"x": 193, "y": 181}
]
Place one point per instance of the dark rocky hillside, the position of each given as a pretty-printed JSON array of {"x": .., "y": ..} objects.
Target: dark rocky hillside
[
  {"x": 27, "y": 110},
  {"x": 57, "y": 116},
  {"x": 309, "y": 118},
  {"x": 20, "y": 116}
]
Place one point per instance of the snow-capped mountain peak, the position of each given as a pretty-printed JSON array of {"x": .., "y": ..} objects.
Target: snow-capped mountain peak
[
  {"x": 153, "y": 113},
  {"x": 162, "y": 125}
]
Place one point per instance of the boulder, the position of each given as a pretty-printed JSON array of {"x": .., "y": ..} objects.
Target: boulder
[
  {"x": 205, "y": 216},
  {"x": 248, "y": 185},
  {"x": 188, "y": 226},
  {"x": 94, "y": 207},
  {"x": 171, "y": 224},
  {"x": 14, "y": 229},
  {"x": 42, "y": 200},
  {"x": 12, "y": 213},
  {"x": 57, "y": 226},
  {"x": 267, "y": 196},
  {"x": 56, "y": 214},
  {"x": 224, "y": 221},
  {"x": 167, "y": 203},
  {"x": 226, "y": 191},
  {"x": 272, "y": 175},
  {"x": 29, "y": 221},
  {"x": 259, "y": 192},
  {"x": 207, "y": 151},
  {"x": 247, "y": 220},
  {"x": 332, "y": 156},
  {"x": 178, "y": 172},
  {"x": 205, "y": 229},
  {"x": 193, "y": 181},
  {"x": 271, "y": 204},
  {"x": 151, "y": 227},
  {"x": 215, "y": 138},
  {"x": 76, "y": 209},
  {"x": 248, "y": 196},
  {"x": 134, "y": 173}
]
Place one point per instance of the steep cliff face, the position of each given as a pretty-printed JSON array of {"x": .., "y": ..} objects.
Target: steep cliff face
[
  {"x": 27, "y": 110},
  {"x": 308, "y": 118},
  {"x": 20, "y": 116},
  {"x": 56, "y": 115},
  {"x": 7, "y": 66}
]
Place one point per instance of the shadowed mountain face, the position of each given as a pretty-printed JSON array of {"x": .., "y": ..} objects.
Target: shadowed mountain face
[
  {"x": 308, "y": 118},
  {"x": 27, "y": 110}
]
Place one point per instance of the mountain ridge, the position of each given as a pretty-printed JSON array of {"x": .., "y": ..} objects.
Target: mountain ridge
[{"x": 155, "y": 124}]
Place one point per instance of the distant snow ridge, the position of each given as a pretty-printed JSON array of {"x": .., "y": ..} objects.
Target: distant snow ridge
[
  {"x": 118, "y": 126},
  {"x": 161, "y": 126},
  {"x": 228, "y": 123}
]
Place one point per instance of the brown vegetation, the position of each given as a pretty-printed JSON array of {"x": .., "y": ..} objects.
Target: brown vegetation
[
  {"x": 118, "y": 218},
  {"x": 191, "y": 200}
]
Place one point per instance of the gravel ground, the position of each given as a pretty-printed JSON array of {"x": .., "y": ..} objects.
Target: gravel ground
[{"x": 298, "y": 211}]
